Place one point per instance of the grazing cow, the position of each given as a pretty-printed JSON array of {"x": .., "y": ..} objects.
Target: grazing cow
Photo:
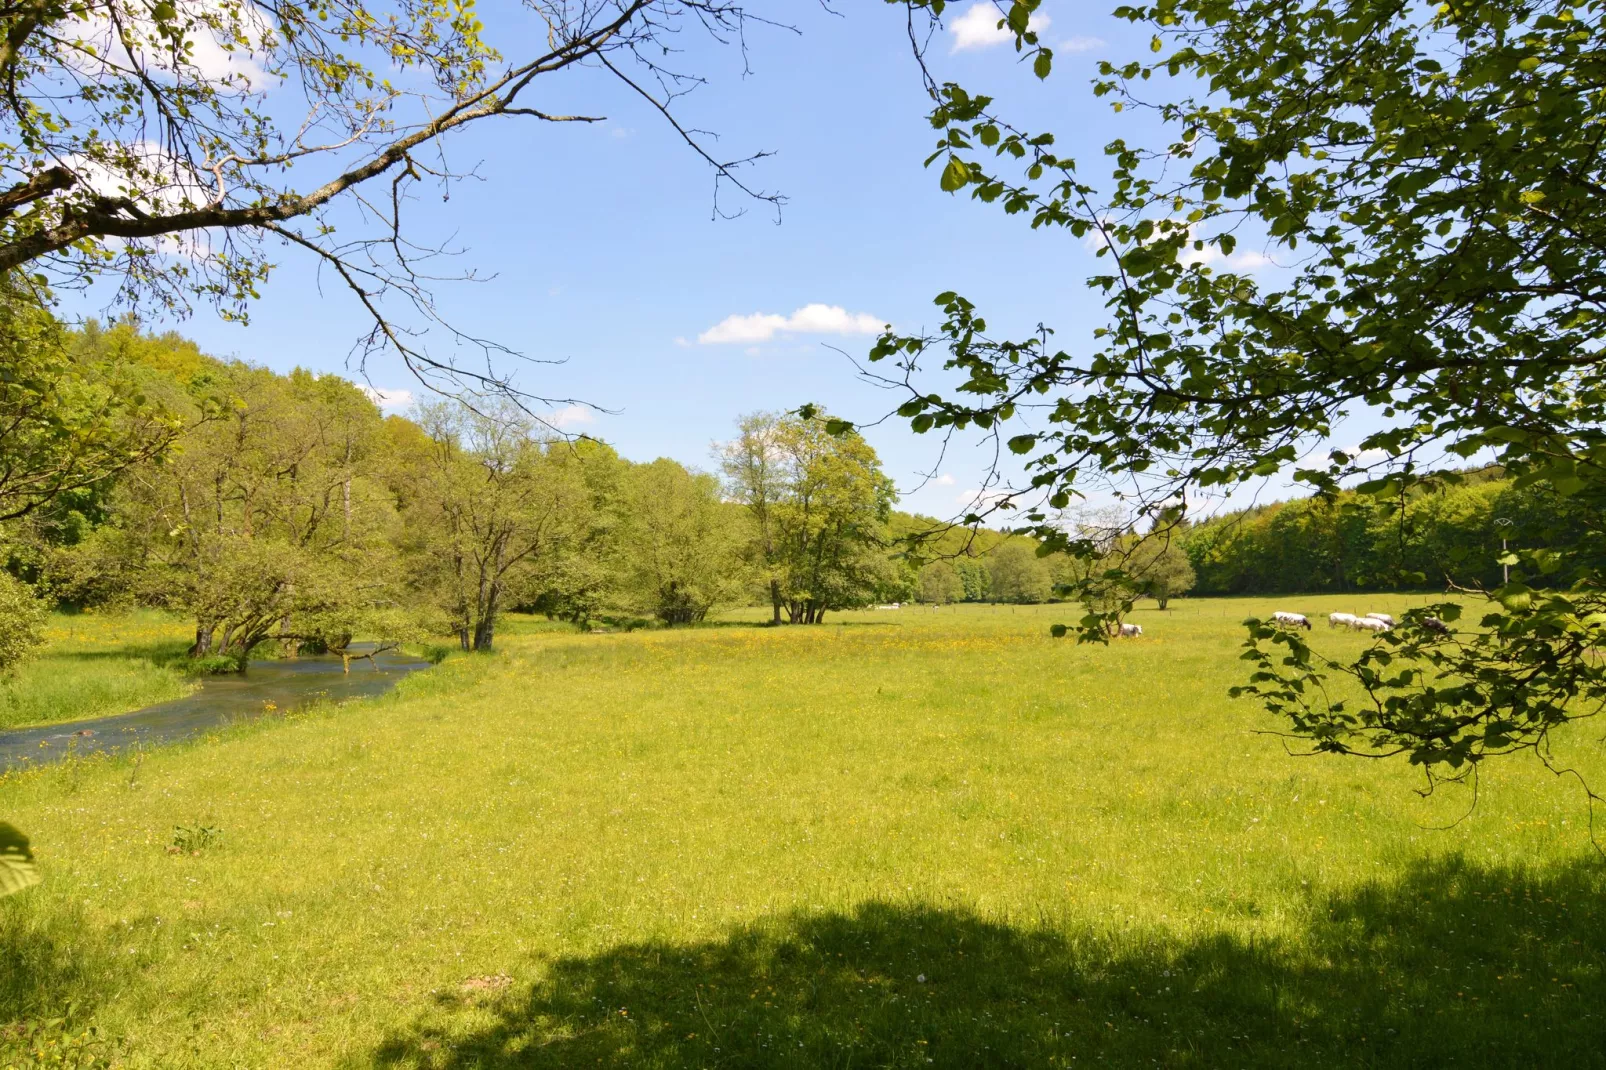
[
  {"x": 1434, "y": 624},
  {"x": 1292, "y": 620},
  {"x": 1131, "y": 631},
  {"x": 1336, "y": 619},
  {"x": 1384, "y": 617},
  {"x": 1370, "y": 624}
]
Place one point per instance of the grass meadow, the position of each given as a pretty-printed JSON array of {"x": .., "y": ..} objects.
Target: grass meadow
[
  {"x": 95, "y": 664},
  {"x": 905, "y": 838}
]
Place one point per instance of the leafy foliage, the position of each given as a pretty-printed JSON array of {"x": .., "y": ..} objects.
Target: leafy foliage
[
  {"x": 679, "y": 544},
  {"x": 1423, "y": 182},
  {"x": 819, "y": 505},
  {"x": 941, "y": 583},
  {"x": 1017, "y": 573},
  {"x": 22, "y": 622}
]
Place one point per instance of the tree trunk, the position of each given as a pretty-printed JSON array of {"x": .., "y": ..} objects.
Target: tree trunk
[
  {"x": 462, "y": 639},
  {"x": 819, "y": 615},
  {"x": 203, "y": 641},
  {"x": 485, "y": 627}
]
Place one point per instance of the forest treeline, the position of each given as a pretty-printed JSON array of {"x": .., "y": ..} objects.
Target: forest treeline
[
  {"x": 1441, "y": 533},
  {"x": 289, "y": 510}
]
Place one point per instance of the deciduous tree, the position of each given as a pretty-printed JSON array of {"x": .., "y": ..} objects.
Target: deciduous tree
[
  {"x": 819, "y": 505},
  {"x": 493, "y": 508},
  {"x": 679, "y": 543}
]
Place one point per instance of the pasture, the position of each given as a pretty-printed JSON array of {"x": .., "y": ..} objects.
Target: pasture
[{"x": 904, "y": 838}]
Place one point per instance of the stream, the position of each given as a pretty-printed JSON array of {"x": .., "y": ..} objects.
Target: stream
[{"x": 266, "y": 687}]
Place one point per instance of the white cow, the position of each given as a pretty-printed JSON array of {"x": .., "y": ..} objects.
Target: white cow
[
  {"x": 1131, "y": 631},
  {"x": 1384, "y": 617},
  {"x": 1292, "y": 620},
  {"x": 1370, "y": 624},
  {"x": 1334, "y": 620}
]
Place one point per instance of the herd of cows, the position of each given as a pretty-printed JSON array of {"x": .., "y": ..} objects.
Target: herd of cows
[{"x": 1370, "y": 622}]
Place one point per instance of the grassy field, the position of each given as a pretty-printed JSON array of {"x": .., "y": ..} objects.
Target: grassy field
[
  {"x": 914, "y": 838},
  {"x": 98, "y": 664}
]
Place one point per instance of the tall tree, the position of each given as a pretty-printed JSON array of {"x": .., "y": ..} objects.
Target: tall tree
[
  {"x": 756, "y": 476},
  {"x": 940, "y": 583},
  {"x": 1017, "y": 573},
  {"x": 679, "y": 543},
  {"x": 1160, "y": 567},
  {"x": 493, "y": 507},
  {"x": 266, "y": 522},
  {"x": 819, "y": 504},
  {"x": 70, "y": 416},
  {"x": 1424, "y": 183}
]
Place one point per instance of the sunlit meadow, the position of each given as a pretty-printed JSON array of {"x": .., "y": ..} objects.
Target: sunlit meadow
[
  {"x": 902, "y": 838},
  {"x": 98, "y": 663}
]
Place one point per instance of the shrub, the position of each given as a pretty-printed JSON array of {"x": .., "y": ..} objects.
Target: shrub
[{"x": 22, "y": 622}]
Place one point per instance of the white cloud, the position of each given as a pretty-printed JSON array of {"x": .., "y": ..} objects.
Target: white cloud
[
  {"x": 387, "y": 400},
  {"x": 572, "y": 416},
  {"x": 1082, "y": 44},
  {"x": 977, "y": 499},
  {"x": 945, "y": 480},
  {"x": 1210, "y": 256},
  {"x": 1360, "y": 456},
  {"x": 226, "y": 45},
  {"x": 978, "y": 27},
  {"x": 682, "y": 343},
  {"x": 810, "y": 319}
]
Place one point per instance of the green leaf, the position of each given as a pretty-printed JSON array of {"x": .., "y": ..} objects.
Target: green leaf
[
  {"x": 17, "y": 870},
  {"x": 1043, "y": 64},
  {"x": 955, "y": 175}
]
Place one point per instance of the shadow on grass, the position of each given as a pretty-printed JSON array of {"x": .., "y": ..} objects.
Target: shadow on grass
[
  {"x": 45, "y": 964},
  {"x": 1449, "y": 965}
]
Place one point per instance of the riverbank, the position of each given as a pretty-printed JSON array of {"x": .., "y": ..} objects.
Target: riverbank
[{"x": 98, "y": 664}]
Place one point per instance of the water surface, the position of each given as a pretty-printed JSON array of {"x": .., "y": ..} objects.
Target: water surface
[{"x": 265, "y": 688}]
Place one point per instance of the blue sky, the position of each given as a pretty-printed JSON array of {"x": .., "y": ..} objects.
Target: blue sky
[{"x": 598, "y": 247}]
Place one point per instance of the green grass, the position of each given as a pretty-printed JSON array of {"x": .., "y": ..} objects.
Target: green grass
[
  {"x": 97, "y": 664},
  {"x": 916, "y": 838}
]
